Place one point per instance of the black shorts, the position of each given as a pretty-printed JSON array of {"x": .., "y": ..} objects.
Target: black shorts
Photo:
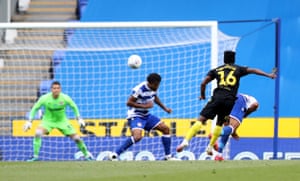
[{"x": 217, "y": 106}]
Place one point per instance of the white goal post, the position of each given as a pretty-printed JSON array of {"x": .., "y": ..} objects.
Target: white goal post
[{"x": 90, "y": 61}]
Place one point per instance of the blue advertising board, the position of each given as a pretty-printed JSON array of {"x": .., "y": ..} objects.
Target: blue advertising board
[{"x": 150, "y": 148}]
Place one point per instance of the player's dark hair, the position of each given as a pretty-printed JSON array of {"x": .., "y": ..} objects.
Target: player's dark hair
[
  {"x": 153, "y": 78},
  {"x": 229, "y": 57},
  {"x": 55, "y": 83}
]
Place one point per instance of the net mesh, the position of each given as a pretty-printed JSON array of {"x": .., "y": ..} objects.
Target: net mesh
[{"x": 91, "y": 65}]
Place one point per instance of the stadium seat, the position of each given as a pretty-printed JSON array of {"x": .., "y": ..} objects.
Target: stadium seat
[
  {"x": 10, "y": 35},
  {"x": 23, "y": 5},
  {"x": 57, "y": 57},
  {"x": 45, "y": 87},
  {"x": 69, "y": 32},
  {"x": 81, "y": 6}
]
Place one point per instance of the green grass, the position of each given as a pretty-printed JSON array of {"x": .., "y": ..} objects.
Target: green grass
[{"x": 282, "y": 170}]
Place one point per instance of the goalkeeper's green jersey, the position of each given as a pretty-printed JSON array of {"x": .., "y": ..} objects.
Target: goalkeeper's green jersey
[{"x": 55, "y": 109}]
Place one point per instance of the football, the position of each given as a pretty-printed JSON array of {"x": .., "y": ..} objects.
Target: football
[{"x": 134, "y": 61}]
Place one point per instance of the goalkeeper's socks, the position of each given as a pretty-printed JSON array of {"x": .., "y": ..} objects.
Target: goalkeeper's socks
[
  {"x": 227, "y": 130},
  {"x": 130, "y": 141},
  {"x": 166, "y": 141},
  {"x": 37, "y": 142},
  {"x": 193, "y": 130},
  {"x": 82, "y": 147},
  {"x": 216, "y": 133}
]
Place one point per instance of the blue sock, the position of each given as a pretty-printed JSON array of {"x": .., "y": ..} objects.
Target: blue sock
[
  {"x": 222, "y": 132},
  {"x": 227, "y": 130},
  {"x": 125, "y": 145},
  {"x": 166, "y": 141}
]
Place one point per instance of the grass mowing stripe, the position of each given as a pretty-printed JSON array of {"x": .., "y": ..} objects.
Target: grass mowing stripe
[{"x": 259, "y": 170}]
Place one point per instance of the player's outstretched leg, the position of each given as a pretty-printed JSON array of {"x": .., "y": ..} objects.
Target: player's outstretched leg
[
  {"x": 128, "y": 143},
  {"x": 215, "y": 146},
  {"x": 182, "y": 145},
  {"x": 166, "y": 141},
  {"x": 82, "y": 147},
  {"x": 37, "y": 142},
  {"x": 216, "y": 133},
  {"x": 191, "y": 133},
  {"x": 227, "y": 130}
]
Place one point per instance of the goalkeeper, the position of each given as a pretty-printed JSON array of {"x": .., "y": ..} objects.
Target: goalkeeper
[{"x": 55, "y": 104}]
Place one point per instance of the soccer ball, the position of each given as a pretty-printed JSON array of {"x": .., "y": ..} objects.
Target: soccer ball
[{"x": 134, "y": 61}]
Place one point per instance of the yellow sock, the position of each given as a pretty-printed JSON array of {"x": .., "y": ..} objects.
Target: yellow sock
[
  {"x": 193, "y": 130},
  {"x": 216, "y": 133}
]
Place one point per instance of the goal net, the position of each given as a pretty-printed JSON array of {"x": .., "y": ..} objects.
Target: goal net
[{"x": 90, "y": 61}]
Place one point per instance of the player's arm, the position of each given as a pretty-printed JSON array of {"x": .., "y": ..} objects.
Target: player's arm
[
  {"x": 262, "y": 73},
  {"x": 205, "y": 81},
  {"x": 250, "y": 110},
  {"x": 158, "y": 102},
  {"x": 253, "y": 107},
  {"x": 131, "y": 102},
  {"x": 36, "y": 107},
  {"x": 33, "y": 111}
]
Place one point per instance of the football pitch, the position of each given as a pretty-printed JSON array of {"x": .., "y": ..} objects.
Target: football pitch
[{"x": 273, "y": 170}]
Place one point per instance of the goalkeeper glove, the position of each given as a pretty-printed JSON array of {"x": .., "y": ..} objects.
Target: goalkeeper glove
[
  {"x": 27, "y": 125},
  {"x": 81, "y": 122}
]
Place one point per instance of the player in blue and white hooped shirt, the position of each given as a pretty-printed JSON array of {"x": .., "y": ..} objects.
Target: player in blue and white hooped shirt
[
  {"x": 143, "y": 97},
  {"x": 243, "y": 106}
]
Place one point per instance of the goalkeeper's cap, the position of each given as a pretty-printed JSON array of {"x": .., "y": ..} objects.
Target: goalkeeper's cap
[{"x": 229, "y": 57}]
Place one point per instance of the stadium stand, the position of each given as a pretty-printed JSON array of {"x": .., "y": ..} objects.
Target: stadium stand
[
  {"x": 24, "y": 78},
  {"x": 81, "y": 6},
  {"x": 48, "y": 11}
]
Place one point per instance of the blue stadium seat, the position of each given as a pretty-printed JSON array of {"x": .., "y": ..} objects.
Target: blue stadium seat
[
  {"x": 81, "y": 6},
  {"x": 45, "y": 87},
  {"x": 69, "y": 32},
  {"x": 58, "y": 57}
]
